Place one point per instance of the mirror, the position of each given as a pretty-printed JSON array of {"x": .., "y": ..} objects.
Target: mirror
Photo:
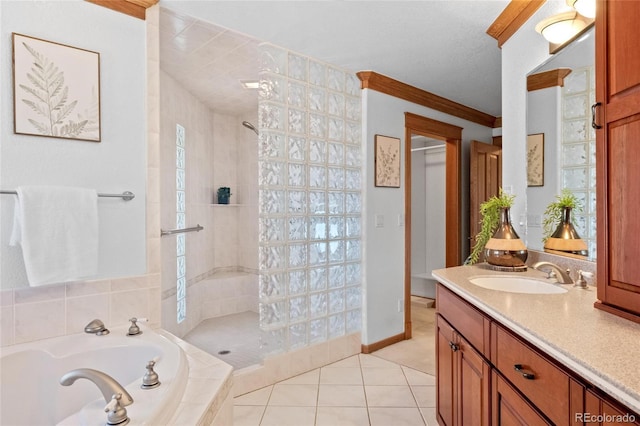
[{"x": 565, "y": 153}]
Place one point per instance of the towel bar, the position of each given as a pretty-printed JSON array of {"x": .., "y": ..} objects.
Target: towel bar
[
  {"x": 196, "y": 228},
  {"x": 126, "y": 195}
]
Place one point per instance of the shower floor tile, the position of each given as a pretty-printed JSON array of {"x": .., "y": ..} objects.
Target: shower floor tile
[{"x": 237, "y": 333}]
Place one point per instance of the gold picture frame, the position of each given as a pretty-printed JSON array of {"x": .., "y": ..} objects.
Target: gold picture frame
[
  {"x": 535, "y": 159},
  {"x": 387, "y": 161},
  {"x": 56, "y": 90}
]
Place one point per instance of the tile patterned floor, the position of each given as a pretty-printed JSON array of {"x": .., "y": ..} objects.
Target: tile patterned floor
[
  {"x": 390, "y": 387},
  {"x": 359, "y": 390}
]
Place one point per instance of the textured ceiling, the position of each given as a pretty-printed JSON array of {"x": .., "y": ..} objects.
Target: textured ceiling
[{"x": 439, "y": 45}]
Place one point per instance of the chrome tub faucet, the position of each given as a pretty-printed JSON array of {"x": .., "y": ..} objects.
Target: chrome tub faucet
[
  {"x": 96, "y": 327},
  {"x": 115, "y": 396}
]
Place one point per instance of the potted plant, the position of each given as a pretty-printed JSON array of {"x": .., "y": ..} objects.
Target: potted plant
[
  {"x": 223, "y": 195},
  {"x": 496, "y": 225},
  {"x": 559, "y": 235},
  {"x": 553, "y": 214}
]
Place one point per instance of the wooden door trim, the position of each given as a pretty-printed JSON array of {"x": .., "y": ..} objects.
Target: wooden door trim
[{"x": 452, "y": 135}]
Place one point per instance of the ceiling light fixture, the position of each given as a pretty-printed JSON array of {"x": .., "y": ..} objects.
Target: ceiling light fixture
[
  {"x": 559, "y": 28},
  {"x": 250, "y": 84},
  {"x": 586, "y": 8}
]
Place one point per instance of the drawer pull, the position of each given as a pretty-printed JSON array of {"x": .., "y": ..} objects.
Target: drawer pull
[
  {"x": 519, "y": 369},
  {"x": 453, "y": 346}
]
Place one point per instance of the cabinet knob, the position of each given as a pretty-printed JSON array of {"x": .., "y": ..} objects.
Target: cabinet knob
[
  {"x": 519, "y": 369},
  {"x": 453, "y": 346}
]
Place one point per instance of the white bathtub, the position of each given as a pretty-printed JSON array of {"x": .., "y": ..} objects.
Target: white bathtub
[{"x": 31, "y": 393}]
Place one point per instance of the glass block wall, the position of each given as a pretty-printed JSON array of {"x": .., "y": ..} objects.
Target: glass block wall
[
  {"x": 578, "y": 165},
  {"x": 310, "y": 178},
  {"x": 181, "y": 258}
]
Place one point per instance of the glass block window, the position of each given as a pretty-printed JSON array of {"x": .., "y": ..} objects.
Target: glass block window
[
  {"x": 310, "y": 186},
  {"x": 181, "y": 259},
  {"x": 578, "y": 165}
]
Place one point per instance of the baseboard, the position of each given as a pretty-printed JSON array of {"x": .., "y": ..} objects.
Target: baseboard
[{"x": 367, "y": 349}]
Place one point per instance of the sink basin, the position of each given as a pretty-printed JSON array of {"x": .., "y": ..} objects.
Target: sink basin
[{"x": 513, "y": 284}]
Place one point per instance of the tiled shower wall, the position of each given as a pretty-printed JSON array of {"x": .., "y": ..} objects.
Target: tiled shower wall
[
  {"x": 579, "y": 150},
  {"x": 222, "y": 258},
  {"x": 309, "y": 201}
]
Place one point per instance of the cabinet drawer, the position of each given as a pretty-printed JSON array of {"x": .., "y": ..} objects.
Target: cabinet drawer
[
  {"x": 544, "y": 384},
  {"x": 469, "y": 322}
]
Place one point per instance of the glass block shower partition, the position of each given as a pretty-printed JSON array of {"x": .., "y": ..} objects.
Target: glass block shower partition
[
  {"x": 578, "y": 163},
  {"x": 310, "y": 178}
]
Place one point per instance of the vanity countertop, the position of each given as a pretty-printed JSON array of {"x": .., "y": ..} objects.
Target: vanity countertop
[{"x": 600, "y": 347}]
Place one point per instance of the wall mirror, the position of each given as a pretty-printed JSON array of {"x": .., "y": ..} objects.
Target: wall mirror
[{"x": 560, "y": 93}]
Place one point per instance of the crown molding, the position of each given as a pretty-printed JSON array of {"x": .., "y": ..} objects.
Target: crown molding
[
  {"x": 387, "y": 85},
  {"x": 512, "y": 18},
  {"x": 546, "y": 79},
  {"x": 135, "y": 8}
]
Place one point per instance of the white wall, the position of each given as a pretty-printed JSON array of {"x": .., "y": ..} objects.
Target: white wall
[
  {"x": 384, "y": 247},
  {"x": 116, "y": 164},
  {"x": 543, "y": 116},
  {"x": 523, "y": 52}
]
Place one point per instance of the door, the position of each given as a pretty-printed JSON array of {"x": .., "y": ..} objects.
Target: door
[
  {"x": 445, "y": 373},
  {"x": 473, "y": 386},
  {"x": 618, "y": 156},
  {"x": 485, "y": 181}
]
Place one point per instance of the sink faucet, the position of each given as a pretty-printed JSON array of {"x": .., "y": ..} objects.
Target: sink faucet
[
  {"x": 114, "y": 394},
  {"x": 562, "y": 276}
]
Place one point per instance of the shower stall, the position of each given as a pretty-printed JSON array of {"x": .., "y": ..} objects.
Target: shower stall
[{"x": 278, "y": 269}]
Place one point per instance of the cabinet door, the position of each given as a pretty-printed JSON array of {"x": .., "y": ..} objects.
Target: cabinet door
[
  {"x": 599, "y": 412},
  {"x": 445, "y": 377},
  {"x": 618, "y": 156},
  {"x": 510, "y": 408},
  {"x": 473, "y": 386}
]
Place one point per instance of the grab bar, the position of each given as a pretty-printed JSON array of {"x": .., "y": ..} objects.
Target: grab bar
[
  {"x": 196, "y": 228},
  {"x": 126, "y": 195}
]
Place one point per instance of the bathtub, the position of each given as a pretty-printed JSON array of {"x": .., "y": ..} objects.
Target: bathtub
[{"x": 30, "y": 392}]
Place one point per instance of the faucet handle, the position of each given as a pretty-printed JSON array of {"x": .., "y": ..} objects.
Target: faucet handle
[
  {"x": 117, "y": 413},
  {"x": 581, "y": 282},
  {"x": 133, "y": 328}
]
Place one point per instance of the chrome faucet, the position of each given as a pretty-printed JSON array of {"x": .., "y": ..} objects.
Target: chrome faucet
[
  {"x": 562, "y": 276},
  {"x": 115, "y": 396},
  {"x": 96, "y": 327}
]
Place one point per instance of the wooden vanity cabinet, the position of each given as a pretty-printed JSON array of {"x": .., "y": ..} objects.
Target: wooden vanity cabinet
[
  {"x": 602, "y": 412},
  {"x": 618, "y": 156}
]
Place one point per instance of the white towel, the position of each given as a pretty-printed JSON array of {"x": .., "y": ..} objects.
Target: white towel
[{"x": 57, "y": 228}]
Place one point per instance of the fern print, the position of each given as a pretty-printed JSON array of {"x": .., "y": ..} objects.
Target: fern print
[{"x": 42, "y": 86}]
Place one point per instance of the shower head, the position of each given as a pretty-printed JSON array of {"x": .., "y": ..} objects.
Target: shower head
[{"x": 250, "y": 126}]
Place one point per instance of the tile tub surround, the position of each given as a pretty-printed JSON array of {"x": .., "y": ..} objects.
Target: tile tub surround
[
  {"x": 596, "y": 345},
  {"x": 67, "y": 308}
]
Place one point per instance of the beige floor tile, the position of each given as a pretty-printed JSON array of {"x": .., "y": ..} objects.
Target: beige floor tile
[
  {"x": 351, "y": 362},
  {"x": 395, "y": 417},
  {"x": 425, "y": 395},
  {"x": 294, "y": 395},
  {"x": 429, "y": 415},
  {"x": 367, "y": 360},
  {"x": 258, "y": 397},
  {"x": 310, "y": 378},
  {"x": 389, "y": 396},
  {"x": 342, "y": 416},
  {"x": 383, "y": 376},
  {"x": 342, "y": 396},
  {"x": 289, "y": 416},
  {"x": 415, "y": 377},
  {"x": 341, "y": 376},
  {"x": 247, "y": 415}
]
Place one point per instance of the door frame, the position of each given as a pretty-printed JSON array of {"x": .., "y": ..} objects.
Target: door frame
[{"x": 452, "y": 135}]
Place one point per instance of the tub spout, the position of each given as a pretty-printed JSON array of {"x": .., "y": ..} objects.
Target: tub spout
[{"x": 110, "y": 388}]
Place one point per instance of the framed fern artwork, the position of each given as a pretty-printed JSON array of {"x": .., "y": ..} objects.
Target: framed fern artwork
[
  {"x": 56, "y": 90},
  {"x": 535, "y": 160},
  {"x": 387, "y": 161}
]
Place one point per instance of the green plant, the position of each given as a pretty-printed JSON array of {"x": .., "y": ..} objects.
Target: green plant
[
  {"x": 553, "y": 213},
  {"x": 490, "y": 211}
]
